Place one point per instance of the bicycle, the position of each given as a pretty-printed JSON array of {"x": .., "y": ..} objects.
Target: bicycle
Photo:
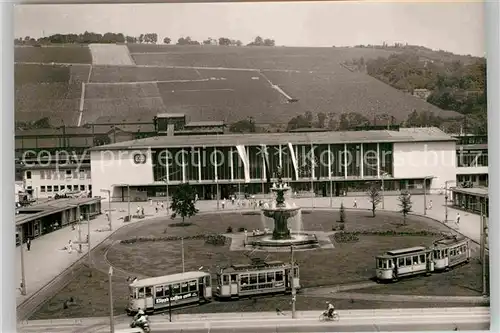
[{"x": 325, "y": 317}]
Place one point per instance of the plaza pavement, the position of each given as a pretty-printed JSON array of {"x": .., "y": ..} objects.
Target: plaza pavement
[{"x": 47, "y": 259}]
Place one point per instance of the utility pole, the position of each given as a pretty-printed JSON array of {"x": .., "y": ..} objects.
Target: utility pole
[
  {"x": 484, "y": 230},
  {"x": 128, "y": 201},
  {"x": 331, "y": 193},
  {"x": 445, "y": 201},
  {"x": 425, "y": 196},
  {"x": 23, "y": 274},
  {"x": 88, "y": 243},
  {"x": 292, "y": 275},
  {"x": 111, "y": 316},
  {"x": 80, "y": 233},
  {"x": 383, "y": 192},
  {"x": 109, "y": 211},
  {"x": 182, "y": 253}
]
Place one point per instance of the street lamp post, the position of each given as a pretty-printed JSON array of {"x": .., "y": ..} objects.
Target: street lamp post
[
  {"x": 111, "y": 317},
  {"x": 109, "y": 208},
  {"x": 23, "y": 274},
  {"x": 128, "y": 202},
  {"x": 217, "y": 190},
  {"x": 80, "y": 233},
  {"x": 446, "y": 199},
  {"x": 88, "y": 244},
  {"x": 425, "y": 193},
  {"x": 292, "y": 275}
]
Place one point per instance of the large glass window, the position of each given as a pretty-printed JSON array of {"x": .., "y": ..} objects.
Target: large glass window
[
  {"x": 353, "y": 160},
  {"x": 238, "y": 167},
  {"x": 337, "y": 152},
  {"x": 386, "y": 158},
  {"x": 286, "y": 162},
  {"x": 223, "y": 163},
  {"x": 321, "y": 165},
  {"x": 192, "y": 161},
  {"x": 370, "y": 159},
  {"x": 208, "y": 159},
  {"x": 256, "y": 162}
]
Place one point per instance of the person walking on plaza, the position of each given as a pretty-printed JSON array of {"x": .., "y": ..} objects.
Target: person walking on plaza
[
  {"x": 223, "y": 203},
  {"x": 28, "y": 243},
  {"x": 355, "y": 205},
  {"x": 430, "y": 204},
  {"x": 458, "y": 218}
]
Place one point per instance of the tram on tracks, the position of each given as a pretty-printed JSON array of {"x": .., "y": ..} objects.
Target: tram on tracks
[
  {"x": 444, "y": 254},
  {"x": 159, "y": 293},
  {"x": 258, "y": 278}
]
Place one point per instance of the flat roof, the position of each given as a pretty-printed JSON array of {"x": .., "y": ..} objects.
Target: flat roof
[
  {"x": 50, "y": 207},
  {"x": 428, "y": 134},
  {"x": 475, "y": 191},
  {"x": 166, "y": 279}
]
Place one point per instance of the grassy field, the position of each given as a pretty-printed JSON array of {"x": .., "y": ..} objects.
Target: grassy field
[
  {"x": 78, "y": 54},
  {"x": 346, "y": 263}
]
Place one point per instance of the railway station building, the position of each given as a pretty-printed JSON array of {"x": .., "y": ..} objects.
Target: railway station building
[{"x": 330, "y": 163}]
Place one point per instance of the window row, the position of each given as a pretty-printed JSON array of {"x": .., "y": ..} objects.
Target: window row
[
  {"x": 57, "y": 188},
  {"x": 66, "y": 174},
  {"x": 178, "y": 288}
]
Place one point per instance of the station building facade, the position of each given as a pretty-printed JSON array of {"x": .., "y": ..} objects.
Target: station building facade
[{"x": 330, "y": 163}]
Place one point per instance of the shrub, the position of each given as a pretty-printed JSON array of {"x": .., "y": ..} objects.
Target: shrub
[
  {"x": 229, "y": 229},
  {"x": 342, "y": 213},
  {"x": 241, "y": 229},
  {"x": 345, "y": 237},
  {"x": 341, "y": 226}
]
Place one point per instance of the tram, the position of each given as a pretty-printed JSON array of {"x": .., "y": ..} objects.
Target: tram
[
  {"x": 404, "y": 262},
  {"x": 258, "y": 278},
  {"x": 450, "y": 252},
  {"x": 159, "y": 293},
  {"x": 444, "y": 254}
]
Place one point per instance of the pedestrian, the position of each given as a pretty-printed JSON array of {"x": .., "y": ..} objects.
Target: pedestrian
[
  {"x": 70, "y": 246},
  {"x": 355, "y": 205},
  {"x": 458, "y": 218},
  {"x": 162, "y": 205},
  {"x": 156, "y": 208},
  {"x": 232, "y": 200},
  {"x": 142, "y": 211},
  {"x": 223, "y": 203},
  {"x": 430, "y": 205},
  {"x": 107, "y": 216},
  {"x": 196, "y": 197},
  {"x": 28, "y": 243}
]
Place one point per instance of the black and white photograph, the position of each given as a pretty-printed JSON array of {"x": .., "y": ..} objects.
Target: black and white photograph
[{"x": 251, "y": 167}]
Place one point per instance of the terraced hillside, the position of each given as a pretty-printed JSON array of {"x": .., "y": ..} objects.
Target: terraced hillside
[
  {"x": 129, "y": 99},
  {"x": 74, "y": 54},
  {"x": 345, "y": 92},
  {"x": 281, "y": 58},
  {"x": 51, "y": 91},
  {"x": 226, "y": 95},
  {"x": 272, "y": 85},
  {"x": 141, "y": 74}
]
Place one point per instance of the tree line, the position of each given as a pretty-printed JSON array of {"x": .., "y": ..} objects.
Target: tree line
[
  {"x": 449, "y": 85},
  {"x": 145, "y": 38}
]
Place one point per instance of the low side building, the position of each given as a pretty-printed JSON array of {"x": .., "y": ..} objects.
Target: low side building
[{"x": 50, "y": 215}]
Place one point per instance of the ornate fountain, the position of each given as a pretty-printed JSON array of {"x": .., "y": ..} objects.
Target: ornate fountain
[{"x": 280, "y": 212}]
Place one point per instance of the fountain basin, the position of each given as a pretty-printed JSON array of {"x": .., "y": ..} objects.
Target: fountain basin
[
  {"x": 285, "y": 212},
  {"x": 298, "y": 240}
]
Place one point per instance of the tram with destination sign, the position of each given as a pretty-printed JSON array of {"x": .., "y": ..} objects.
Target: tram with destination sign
[
  {"x": 160, "y": 293},
  {"x": 444, "y": 254},
  {"x": 258, "y": 278}
]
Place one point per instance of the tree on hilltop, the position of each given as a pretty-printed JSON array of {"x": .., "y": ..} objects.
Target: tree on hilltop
[
  {"x": 183, "y": 202},
  {"x": 187, "y": 41},
  {"x": 166, "y": 40},
  {"x": 259, "y": 41}
]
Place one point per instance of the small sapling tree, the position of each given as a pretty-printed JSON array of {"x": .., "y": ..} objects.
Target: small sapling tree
[
  {"x": 183, "y": 202},
  {"x": 405, "y": 204},
  {"x": 342, "y": 213},
  {"x": 374, "y": 197}
]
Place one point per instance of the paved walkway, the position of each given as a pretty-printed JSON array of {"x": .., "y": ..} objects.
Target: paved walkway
[{"x": 47, "y": 259}]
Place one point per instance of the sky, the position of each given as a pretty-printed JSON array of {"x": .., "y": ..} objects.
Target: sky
[{"x": 456, "y": 27}]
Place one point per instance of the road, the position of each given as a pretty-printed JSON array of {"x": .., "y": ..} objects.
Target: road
[{"x": 474, "y": 318}]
